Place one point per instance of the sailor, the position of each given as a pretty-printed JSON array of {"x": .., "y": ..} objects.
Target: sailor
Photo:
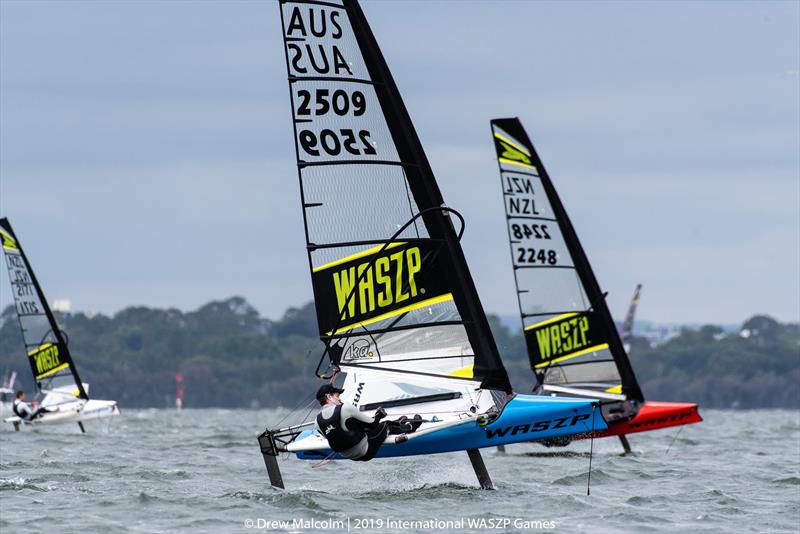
[
  {"x": 25, "y": 412},
  {"x": 354, "y": 434}
]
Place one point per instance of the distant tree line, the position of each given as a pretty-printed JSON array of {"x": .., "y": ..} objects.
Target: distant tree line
[
  {"x": 232, "y": 357},
  {"x": 758, "y": 367}
]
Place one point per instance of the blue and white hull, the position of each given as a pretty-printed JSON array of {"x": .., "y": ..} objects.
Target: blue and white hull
[{"x": 524, "y": 418}]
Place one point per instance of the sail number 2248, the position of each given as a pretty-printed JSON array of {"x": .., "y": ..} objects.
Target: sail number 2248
[
  {"x": 536, "y": 256},
  {"x": 539, "y": 231}
]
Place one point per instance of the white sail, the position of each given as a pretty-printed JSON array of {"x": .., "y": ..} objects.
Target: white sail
[
  {"x": 391, "y": 286},
  {"x": 63, "y": 393},
  {"x": 571, "y": 338}
]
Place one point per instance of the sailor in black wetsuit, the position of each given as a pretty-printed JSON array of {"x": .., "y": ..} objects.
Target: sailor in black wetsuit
[
  {"x": 23, "y": 411},
  {"x": 352, "y": 433}
]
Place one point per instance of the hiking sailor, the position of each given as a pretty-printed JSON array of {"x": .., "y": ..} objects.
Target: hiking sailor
[
  {"x": 351, "y": 433},
  {"x": 25, "y": 412}
]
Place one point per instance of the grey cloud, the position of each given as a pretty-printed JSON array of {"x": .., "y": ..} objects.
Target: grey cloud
[{"x": 148, "y": 146}]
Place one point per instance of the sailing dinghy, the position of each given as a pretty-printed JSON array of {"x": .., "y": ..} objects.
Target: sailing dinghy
[
  {"x": 396, "y": 306},
  {"x": 54, "y": 371},
  {"x": 572, "y": 341},
  {"x": 7, "y": 393},
  {"x": 626, "y": 330}
]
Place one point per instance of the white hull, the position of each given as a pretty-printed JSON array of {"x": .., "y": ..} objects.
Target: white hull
[
  {"x": 371, "y": 386},
  {"x": 72, "y": 412}
]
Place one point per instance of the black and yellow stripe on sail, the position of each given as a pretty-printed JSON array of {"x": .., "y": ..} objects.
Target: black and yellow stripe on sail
[
  {"x": 379, "y": 283},
  {"x": 512, "y": 153},
  {"x": 358, "y": 255},
  {"x": 394, "y": 313},
  {"x": 9, "y": 243},
  {"x": 47, "y": 360}
]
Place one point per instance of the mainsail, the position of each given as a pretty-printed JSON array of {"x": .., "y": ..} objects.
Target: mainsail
[
  {"x": 396, "y": 306},
  {"x": 572, "y": 341},
  {"x": 391, "y": 285},
  {"x": 45, "y": 344}
]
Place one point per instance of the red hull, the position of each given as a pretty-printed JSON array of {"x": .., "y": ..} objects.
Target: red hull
[{"x": 653, "y": 416}]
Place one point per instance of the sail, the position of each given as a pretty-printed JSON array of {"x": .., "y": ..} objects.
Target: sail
[
  {"x": 391, "y": 285},
  {"x": 571, "y": 338},
  {"x": 45, "y": 344},
  {"x": 627, "y": 325}
]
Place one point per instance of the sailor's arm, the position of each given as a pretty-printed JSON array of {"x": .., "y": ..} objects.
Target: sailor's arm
[{"x": 350, "y": 411}]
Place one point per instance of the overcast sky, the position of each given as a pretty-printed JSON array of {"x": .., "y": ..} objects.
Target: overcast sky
[{"x": 146, "y": 153}]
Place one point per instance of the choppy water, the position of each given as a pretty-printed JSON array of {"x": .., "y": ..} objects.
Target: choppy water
[{"x": 201, "y": 471}]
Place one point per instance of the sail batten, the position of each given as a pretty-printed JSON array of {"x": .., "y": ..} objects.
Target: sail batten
[
  {"x": 570, "y": 335},
  {"x": 388, "y": 272}
]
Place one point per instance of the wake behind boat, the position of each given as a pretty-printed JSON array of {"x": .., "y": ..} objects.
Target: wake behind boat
[
  {"x": 573, "y": 344},
  {"x": 396, "y": 306},
  {"x": 64, "y": 397}
]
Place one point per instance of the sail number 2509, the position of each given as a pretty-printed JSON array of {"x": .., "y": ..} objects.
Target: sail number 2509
[
  {"x": 333, "y": 141},
  {"x": 324, "y": 101}
]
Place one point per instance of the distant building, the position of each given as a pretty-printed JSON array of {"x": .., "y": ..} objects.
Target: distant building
[{"x": 62, "y": 305}]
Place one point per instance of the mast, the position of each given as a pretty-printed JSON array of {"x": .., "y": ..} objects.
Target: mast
[
  {"x": 55, "y": 352},
  {"x": 424, "y": 187}
]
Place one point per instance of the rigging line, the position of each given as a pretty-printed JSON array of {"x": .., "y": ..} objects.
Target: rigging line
[
  {"x": 674, "y": 439},
  {"x": 295, "y": 409},
  {"x": 443, "y": 209},
  {"x": 309, "y": 412},
  {"x": 325, "y": 461},
  {"x": 591, "y": 451},
  {"x": 333, "y": 375}
]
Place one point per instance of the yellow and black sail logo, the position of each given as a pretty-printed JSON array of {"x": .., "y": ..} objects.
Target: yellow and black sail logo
[
  {"x": 47, "y": 359},
  {"x": 9, "y": 243},
  {"x": 509, "y": 151},
  {"x": 377, "y": 284},
  {"x": 564, "y": 337}
]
